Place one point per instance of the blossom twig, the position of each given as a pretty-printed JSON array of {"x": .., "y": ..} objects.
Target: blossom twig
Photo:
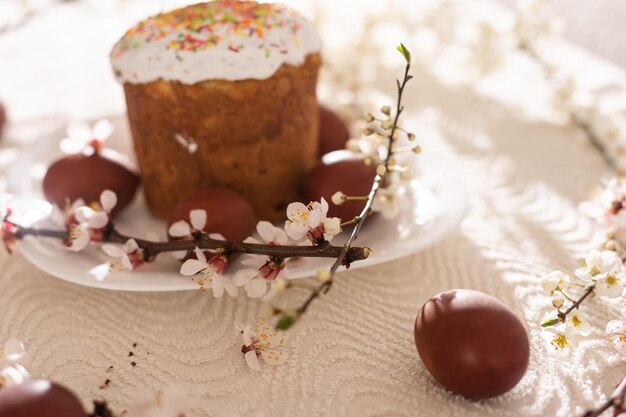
[
  {"x": 288, "y": 318},
  {"x": 528, "y": 48},
  {"x": 616, "y": 400},
  {"x": 152, "y": 249},
  {"x": 562, "y": 315}
]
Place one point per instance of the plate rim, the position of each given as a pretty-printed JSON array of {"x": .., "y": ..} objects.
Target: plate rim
[{"x": 447, "y": 220}]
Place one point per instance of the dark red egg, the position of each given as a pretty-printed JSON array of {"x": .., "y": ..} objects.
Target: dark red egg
[
  {"x": 41, "y": 398},
  {"x": 472, "y": 343},
  {"x": 333, "y": 133},
  {"x": 86, "y": 176},
  {"x": 228, "y": 213},
  {"x": 348, "y": 175},
  {"x": 3, "y": 118}
]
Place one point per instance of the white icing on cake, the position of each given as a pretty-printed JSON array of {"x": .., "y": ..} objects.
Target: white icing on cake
[{"x": 219, "y": 40}]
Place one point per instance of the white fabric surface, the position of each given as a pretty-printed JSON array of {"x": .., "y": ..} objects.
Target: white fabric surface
[{"x": 353, "y": 354}]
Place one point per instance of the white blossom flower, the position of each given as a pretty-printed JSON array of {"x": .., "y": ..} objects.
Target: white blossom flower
[
  {"x": 605, "y": 270},
  {"x": 174, "y": 401},
  {"x": 311, "y": 221},
  {"x": 210, "y": 273},
  {"x": 390, "y": 201},
  {"x": 597, "y": 265},
  {"x": 559, "y": 337},
  {"x": 614, "y": 191},
  {"x": 13, "y": 375},
  {"x": 79, "y": 237},
  {"x": 125, "y": 258},
  {"x": 577, "y": 324},
  {"x": 610, "y": 284},
  {"x": 555, "y": 281},
  {"x": 15, "y": 353},
  {"x": 66, "y": 216},
  {"x": 256, "y": 280},
  {"x": 80, "y": 136},
  {"x": 616, "y": 331},
  {"x": 18, "y": 360},
  {"x": 88, "y": 223},
  {"x": 265, "y": 270},
  {"x": 264, "y": 343}
]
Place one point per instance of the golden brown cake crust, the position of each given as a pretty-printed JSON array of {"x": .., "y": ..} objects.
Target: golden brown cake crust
[{"x": 257, "y": 137}]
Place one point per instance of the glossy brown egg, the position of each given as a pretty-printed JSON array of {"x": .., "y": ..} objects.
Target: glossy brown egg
[
  {"x": 41, "y": 398},
  {"x": 333, "y": 133},
  {"x": 3, "y": 118},
  {"x": 349, "y": 175},
  {"x": 86, "y": 176},
  {"x": 472, "y": 343},
  {"x": 228, "y": 213}
]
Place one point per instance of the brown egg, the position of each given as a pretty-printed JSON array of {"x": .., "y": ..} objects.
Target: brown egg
[
  {"x": 41, "y": 398},
  {"x": 3, "y": 118},
  {"x": 86, "y": 176},
  {"x": 472, "y": 343},
  {"x": 333, "y": 133},
  {"x": 349, "y": 175},
  {"x": 228, "y": 213}
]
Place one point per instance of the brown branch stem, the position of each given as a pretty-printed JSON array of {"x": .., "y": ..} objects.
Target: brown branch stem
[
  {"x": 152, "y": 249},
  {"x": 344, "y": 258},
  {"x": 562, "y": 315},
  {"x": 578, "y": 302}
]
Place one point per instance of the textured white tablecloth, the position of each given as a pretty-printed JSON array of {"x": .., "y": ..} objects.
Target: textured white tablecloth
[{"x": 353, "y": 354}]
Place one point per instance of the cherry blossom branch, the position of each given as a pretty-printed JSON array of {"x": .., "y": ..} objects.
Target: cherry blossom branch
[
  {"x": 562, "y": 315},
  {"x": 528, "y": 48},
  {"x": 202, "y": 241},
  {"x": 616, "y": 400},
  {"x": 289, "y": 318},
  {"x": 21, "y": 232}
]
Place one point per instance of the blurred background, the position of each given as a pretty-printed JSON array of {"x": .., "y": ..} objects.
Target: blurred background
[
  {"x": 596, "y": 25},
  {"x": 54, "y": 56},
  {"x": 58, "y": 49}
]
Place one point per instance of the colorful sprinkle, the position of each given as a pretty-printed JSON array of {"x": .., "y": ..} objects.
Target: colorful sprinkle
[{"x": 199, "y": 26}]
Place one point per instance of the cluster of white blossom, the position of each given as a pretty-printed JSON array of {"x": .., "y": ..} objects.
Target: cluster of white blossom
[
  {"x": 260, "y": 277},
  {"x": 536, "y": 26},
  {"x": 603, "y": 274},
  {"x": 608, "y": 208},
  {"x": 373, "y": 146}
]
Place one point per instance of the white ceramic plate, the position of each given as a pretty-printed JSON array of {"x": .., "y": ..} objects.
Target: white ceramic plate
[{"x": 439, "y": 203}]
